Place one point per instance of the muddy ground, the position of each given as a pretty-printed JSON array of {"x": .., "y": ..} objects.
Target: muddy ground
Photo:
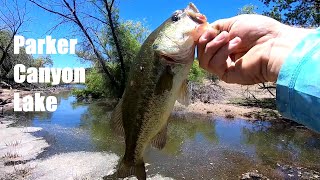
[{"x": 233, "y": 101}]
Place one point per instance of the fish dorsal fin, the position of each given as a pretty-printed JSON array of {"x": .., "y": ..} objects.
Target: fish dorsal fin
[
  {"x": 116, "y": 119},
  {"x": 160, "y": 140},
  {"x": 184, "y": 94}
]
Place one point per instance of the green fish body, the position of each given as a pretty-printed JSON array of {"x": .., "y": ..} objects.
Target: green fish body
[{"x": 157, "y": 79}]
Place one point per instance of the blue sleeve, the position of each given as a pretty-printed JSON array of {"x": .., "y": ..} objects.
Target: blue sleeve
[{"x": 298, "y": 84}]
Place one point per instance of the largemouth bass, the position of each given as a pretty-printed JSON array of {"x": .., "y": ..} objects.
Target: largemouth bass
[{"x": 157, "y": 79}]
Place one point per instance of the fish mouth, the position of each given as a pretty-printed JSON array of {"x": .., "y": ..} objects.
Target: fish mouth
[
  {"x": 195, "y": 15},
  {"x": 168, "y": 59},
  {"x": 173, "y": 60}
]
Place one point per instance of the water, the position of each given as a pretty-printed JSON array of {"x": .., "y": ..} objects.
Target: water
[{"x": 197, "y": 147}]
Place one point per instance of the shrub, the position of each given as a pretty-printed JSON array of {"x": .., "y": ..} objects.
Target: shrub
[
  {"x": 197, "y": 74},
  {"x": 95, "y": 85}
]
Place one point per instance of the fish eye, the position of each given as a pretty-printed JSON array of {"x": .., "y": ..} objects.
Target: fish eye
[{"x": 175, "y": 18}]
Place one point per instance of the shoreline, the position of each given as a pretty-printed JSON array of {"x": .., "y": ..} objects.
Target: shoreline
[
  {"x": 19, "y": 158},
  {"x": 232, "y": 101},
  {"x": 6, "y": 96},
  {"x": 217, "y": 99},
  {"x": 209, "y": 98}
]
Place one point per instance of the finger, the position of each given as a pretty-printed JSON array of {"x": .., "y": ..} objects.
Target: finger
[
  {"x": 206, "y": 37},
  {"x": 245, "y": 71},
  {"x": 207, "y": 50},
  {"x": 224, "y": 24},
  {"x": 202, "y": 42},
  {"x": 236, "y": 73},
  {"x": 221, "y": 60}
]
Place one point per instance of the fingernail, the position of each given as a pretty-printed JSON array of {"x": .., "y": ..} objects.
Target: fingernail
[
  {"x": 235, "y": 40},
  {"x": 204, "y": 37},
  {"x": 220, "y": 37}
]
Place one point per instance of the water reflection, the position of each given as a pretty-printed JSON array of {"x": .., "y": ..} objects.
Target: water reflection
[
  {"x": 273, "y": 145},
  {"x": 198, "y": 146}
]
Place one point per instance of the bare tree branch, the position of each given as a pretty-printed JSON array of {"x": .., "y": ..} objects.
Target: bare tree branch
[
  {"x": 267, "y": 88},
  {"x": 111, "y": 5},
  {"x": 74, "y": 5},
  {"x": 56, "y": 26},
  {"x": 99, "y": 8},
  {"x": 52, "y": 11},
  {"x": 12, "y": 22},
  {"x": 102, "y": 45},
  {"x": 93, "y": 17},
  {"x": 74, "y": 18},
  {"x": 116, "y": 41}
]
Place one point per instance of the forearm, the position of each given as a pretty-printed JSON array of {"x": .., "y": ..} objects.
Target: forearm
[
  {"x": 282, "y": 45},
  {"x": 298, "y": 83}
]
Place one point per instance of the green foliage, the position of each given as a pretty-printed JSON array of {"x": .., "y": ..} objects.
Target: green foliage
[
  {"x": 212, "y": 77},
  {"x": 4, "y": 37},
  {"x": 196, "y": 74},
  {"x": 95, "y": 85},
  {"x": 302, "y": 13},
  {"x": 6, "y": 68},
  {"x": 130, "y": 35},
  {"x": 42, "y": 61},
  {"x": 248, "y": 9}
]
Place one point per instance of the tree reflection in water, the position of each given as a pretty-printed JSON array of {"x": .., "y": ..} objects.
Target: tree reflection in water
[{"x": 197, "y": 145}]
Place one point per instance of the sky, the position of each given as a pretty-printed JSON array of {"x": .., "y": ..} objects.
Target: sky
[{"x": 152, "y": 12}]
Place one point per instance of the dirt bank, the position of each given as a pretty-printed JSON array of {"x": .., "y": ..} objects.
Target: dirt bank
[
  {"x": 232, "y": 101},
  {"x": 6, "y": 95}
]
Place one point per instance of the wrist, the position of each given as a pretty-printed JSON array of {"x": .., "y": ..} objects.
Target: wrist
[{"x": 283, "y": 44}]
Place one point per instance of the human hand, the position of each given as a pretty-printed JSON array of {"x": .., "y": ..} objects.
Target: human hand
[{"x": 250, "y": 48}]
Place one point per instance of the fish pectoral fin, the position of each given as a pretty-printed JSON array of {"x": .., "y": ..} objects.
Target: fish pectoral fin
[
  {"x": 160, "y": 140},
  {"x": 165, "y": 81},
  {"x": 184, "y": 94},
  {"x": 126, "y": 170},
  {"x": 116, "y": 119}
]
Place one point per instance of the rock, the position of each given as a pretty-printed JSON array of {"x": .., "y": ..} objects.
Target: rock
[
  {"x": 253, "y": 175},
  {"x": 8, "y": 101},
  {"x": 298, "y": 172},
  {"x": 5, "y": 85},
  {"x": 248, "y": 115},
  {"x": 229, "y": 116}
]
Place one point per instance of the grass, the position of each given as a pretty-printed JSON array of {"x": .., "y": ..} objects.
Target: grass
[
  {"x": 268, "y": 103},
  {"x": 268, "y": 108},
  {"x": 264, "y": 114},
  {"x": 13, "y": 143},
  {"x": 19, "y": 173},
  {"x": 11, "y": 155}
]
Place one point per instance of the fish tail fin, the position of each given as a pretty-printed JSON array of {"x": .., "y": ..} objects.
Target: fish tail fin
[{"x": 126, "y": 170}]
